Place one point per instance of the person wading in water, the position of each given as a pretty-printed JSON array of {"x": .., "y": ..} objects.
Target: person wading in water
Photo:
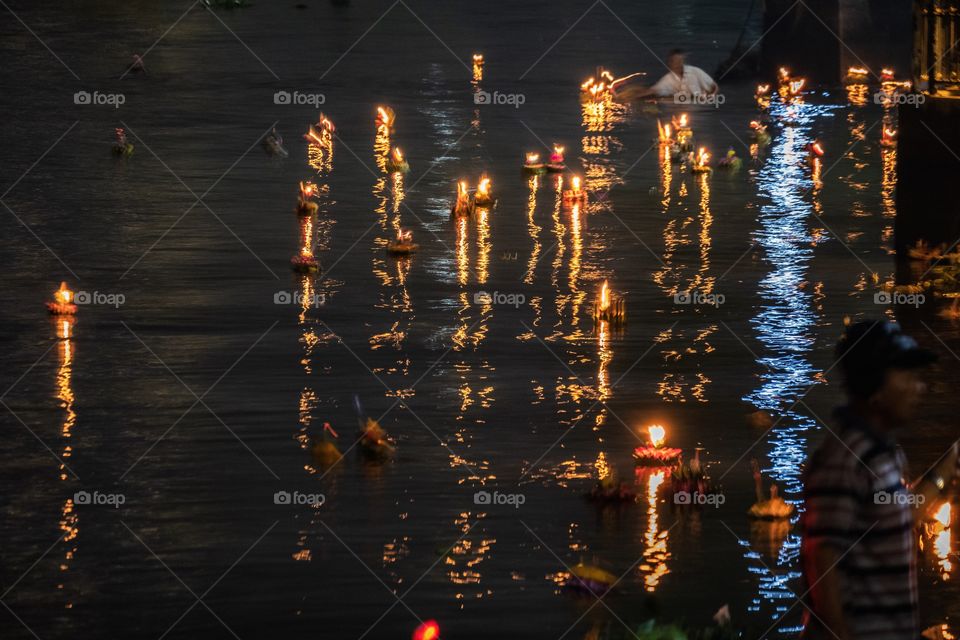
[{"x": 858, "y": 554}]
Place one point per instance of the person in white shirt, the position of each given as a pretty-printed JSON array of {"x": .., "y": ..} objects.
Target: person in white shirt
[{"x": 681, "y": 79}]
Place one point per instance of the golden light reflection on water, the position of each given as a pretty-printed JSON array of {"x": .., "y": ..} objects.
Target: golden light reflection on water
[
  {"x": 482, "y": 215},
  {"x": 465, "y": 558},
  {"x": 655, "y": 552},
  {"x": 533, "y": 185},
  {"x": 858, "y": 94},
  {"x": 69, "y": 519}
]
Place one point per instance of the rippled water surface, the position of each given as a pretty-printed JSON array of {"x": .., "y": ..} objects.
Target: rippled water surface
[{"x": 196, "y": 399}]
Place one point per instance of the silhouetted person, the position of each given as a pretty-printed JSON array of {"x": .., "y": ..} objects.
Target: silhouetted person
[{"x": 859, "y": 551}]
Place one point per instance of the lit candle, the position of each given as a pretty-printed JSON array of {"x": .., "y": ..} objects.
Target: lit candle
[
  {"x": 701, "y": 162},
  {"x": 556, "y": 159},
  {"x": 62, "y": 304}
]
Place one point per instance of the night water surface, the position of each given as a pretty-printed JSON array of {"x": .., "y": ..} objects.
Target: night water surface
[{"x": 195, "y": 400}]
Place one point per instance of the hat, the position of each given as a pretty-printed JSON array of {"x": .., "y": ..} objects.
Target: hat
[{"x": 870, "y": 348}]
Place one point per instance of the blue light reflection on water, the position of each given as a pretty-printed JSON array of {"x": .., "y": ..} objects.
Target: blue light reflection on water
[{"x": 785, "y": 325}]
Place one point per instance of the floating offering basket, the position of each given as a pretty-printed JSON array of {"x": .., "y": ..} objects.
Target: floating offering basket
[
  {"x": 396, "y": 163},
  {"x": 772, "y": 508},
  {"x": 305, "y": 205},
  {"x": 463, "y": 206},
  {"x": 403, "y": 245},
  {"x": 701, "y": 162},
  {"x": 62, "y": 303},
  {"x": 556, "y": 165},
  {"x": 613, "y": 310},
  {"x": 122, "y": 146},
  {"x": 656, "y": 454},
  {"x": 588, "y": 578},
  {"x": 856, "y": 75},
  {"x": 574, "y": 195},
  {"x": 304, "y": 263},
  {"x": 533, "y": 164},
  {"x": 483, "y": 196},
  {"x": 374, "y": 442}
]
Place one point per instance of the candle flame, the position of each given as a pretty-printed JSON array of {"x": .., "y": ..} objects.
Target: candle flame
[
  {"x": 63, "y": 294},
  {"x": 533, "y": 158},
  {"x": 658, "y": 435},
  {"x": 478, "y": 58},
  {"x": 796, "y": 86},
  {"x": 557, "y": 149},
  {"x": 763, "y": 89},
  {"x": 575, "y": 183},
  {"x": 702, "y": 157},
  {"x": 383, "y": 116},
  {"x": 461, "y": 189},
  {"x": 397, "y": 154},
  {"x": 817, "y": 148},
  {"x": 604, "y": 296},
  {"x": 307, "y": 190},
  {"x": 889, "y": 134},
  {"x": 886, "y": 73},
  {"x": 483, "y": 188},
  {"x": 784, "y": 73},
  {"x": 857, "y": 71}
]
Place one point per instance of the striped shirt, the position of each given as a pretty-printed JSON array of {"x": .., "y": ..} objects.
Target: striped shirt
[{"x": 856, "y": 502}]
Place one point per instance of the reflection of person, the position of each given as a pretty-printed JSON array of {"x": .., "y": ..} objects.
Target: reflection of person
[
  {"x": 859, "y": 553},
  {"x": 681, "y": 80}
]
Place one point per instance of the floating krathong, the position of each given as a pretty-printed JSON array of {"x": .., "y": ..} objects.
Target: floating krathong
[
  {"x": 889, "y": 137},
  {"x": 598, "y": 87},
  {"x": 122, "y": 146},
  {"x": 609, "y": 489},
  {"x": 664, "y": 134},
  {"x": 772, "y": 508},
  {"x": 62, "y": 303},
  {"x": 856, "y": 75},
  {"x": 574, "y": 195},
  {"x": 689, "y": 477},
  {"x": 324, "y": 450},
  {"x": 790, "y": 86},
  {"x": 385, "y": 119},
  {"x": 396, "y": 163},
  {"x": 684, "y": 135},
  {"x": 556, "y": 165},
  {"x": 588, "y": 578},
  {"x": 656, "y": 454},
  {"x": 483, "y": 196},
  {"x": 477, "y": 67},
  {"x": 403, "y": 245},
  {"x": 701, "y": 162},
  {"x": 533, "y": 164},
  {"x": 762, "y": 91},
  {"x": 463, "y": 206},
  {"x": 304, "y": 263},
  {"x": 613, "y": 310},
  {"x": 374, "y": 441},
  {"x": 305, "y": 204},
  {"x": 759, "y": 133}
]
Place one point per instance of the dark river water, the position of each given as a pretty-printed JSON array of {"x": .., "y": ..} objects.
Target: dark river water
[{"x": 194, "y": 400}]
